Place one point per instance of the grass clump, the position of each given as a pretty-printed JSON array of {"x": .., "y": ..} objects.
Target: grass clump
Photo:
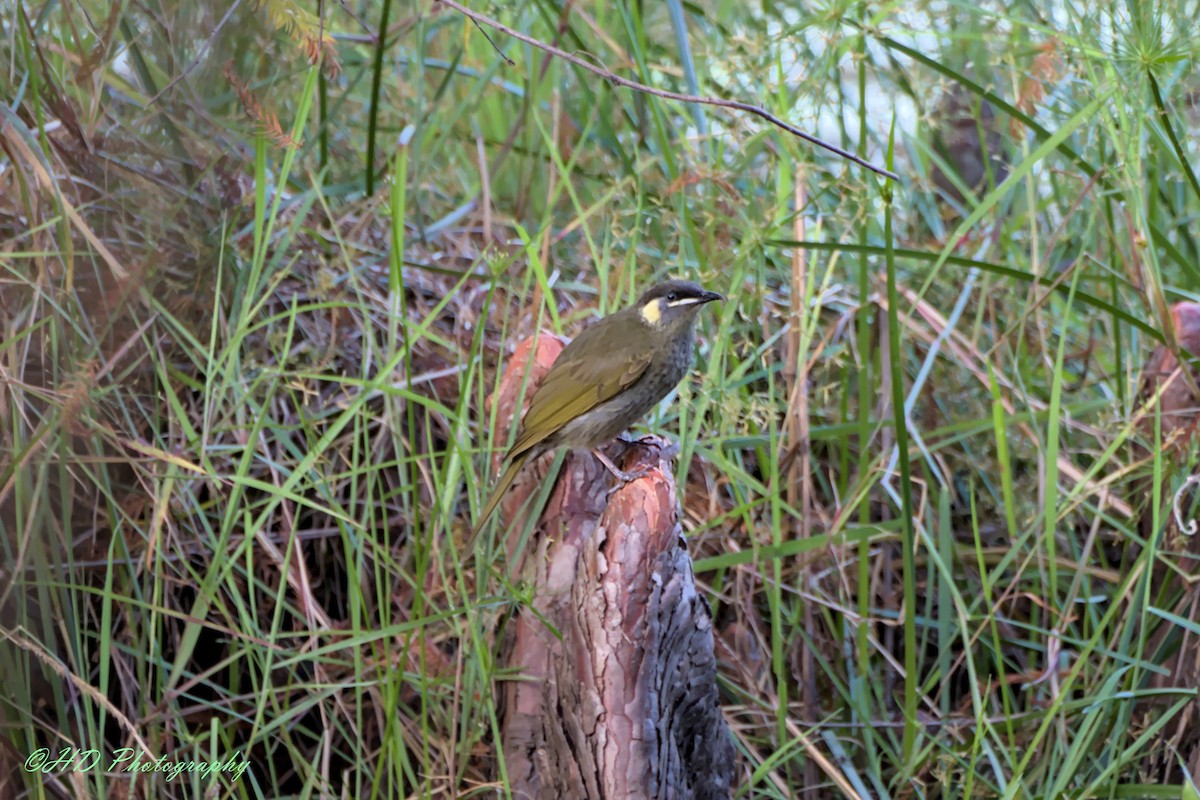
[{"x": 256, "y": 285}]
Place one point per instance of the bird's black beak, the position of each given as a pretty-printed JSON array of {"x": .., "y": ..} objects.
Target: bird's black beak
[{"x": 708, "y": 297}]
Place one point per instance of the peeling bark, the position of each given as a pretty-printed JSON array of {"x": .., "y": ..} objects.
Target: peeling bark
[
  {"x": 625, "y": 703},
  {"x": 1176, "y": 386},
  {"x": 1179, "y": 414}
]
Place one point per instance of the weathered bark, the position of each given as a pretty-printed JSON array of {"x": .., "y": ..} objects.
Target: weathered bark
[
  {"x": 624, "y": 704},
  {"x": 1178, "y": 404},
  {"x": 1179, "y": 414}
]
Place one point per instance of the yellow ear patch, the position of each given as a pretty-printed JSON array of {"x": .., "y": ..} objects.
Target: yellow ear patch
[{"x": 652, "y": 312}]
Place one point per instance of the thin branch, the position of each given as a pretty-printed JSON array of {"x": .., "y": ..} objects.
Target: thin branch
[
  {"x": 683, "y": 98},
  {"x": 199, "y": 56},
  {"x": 495, "y": 47}
]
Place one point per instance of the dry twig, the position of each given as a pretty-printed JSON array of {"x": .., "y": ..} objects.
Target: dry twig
[{"x": 758, "y": 111}]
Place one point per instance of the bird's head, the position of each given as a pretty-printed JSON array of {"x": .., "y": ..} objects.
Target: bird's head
[{"x": 673, "y": 303}]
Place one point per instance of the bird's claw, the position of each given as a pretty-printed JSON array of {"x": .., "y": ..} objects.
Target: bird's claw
[
  {"x": 646, "y": 439},
  {"x": 667, "y": 447},
  {"x": 624, "y": 478},
  {"x": 620, "y": 474},
  {"x": 670, "y": 449}
]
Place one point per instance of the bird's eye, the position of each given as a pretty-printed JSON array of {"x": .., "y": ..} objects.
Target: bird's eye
[{"x": 672, "y": 297}]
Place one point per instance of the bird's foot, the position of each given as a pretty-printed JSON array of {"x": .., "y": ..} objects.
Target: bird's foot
[
  {"x": 669, "y": 448},
  {"x": 618, "y": 473},
  {"x": 646, "y": 439}
]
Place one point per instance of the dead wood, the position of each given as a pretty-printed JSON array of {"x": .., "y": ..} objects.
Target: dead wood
[
  {"x": 1175, "y": 388},
  {"x": 1178, "y": 398}
]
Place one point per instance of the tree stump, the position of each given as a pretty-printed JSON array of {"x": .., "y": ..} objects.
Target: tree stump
[
  {"x": 1176, "y": 385},
  {"x": 625, "y": 703}
]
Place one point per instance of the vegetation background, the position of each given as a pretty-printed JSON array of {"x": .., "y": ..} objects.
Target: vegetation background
[{"x": 259, "y": 263}]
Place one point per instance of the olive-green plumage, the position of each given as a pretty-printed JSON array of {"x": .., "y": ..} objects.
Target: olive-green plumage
[{"x": 605, "y": 380}]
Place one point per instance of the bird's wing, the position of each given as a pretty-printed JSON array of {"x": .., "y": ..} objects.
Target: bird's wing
[{"x": 574, "y": 386}]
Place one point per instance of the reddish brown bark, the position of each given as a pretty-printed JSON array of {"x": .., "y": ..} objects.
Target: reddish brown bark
[
  {"x": 1178, "y": 400},
  {"x": 1178, "y": 389},
  {"x": 1178, "y": 397}
]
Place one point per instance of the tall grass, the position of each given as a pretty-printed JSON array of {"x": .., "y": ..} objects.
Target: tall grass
[{"x": 251, "y": 325}]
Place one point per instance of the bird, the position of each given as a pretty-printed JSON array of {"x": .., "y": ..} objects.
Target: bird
[{"x": 608, "y": 378}]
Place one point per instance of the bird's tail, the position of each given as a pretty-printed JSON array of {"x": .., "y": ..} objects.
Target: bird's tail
[{"x": 502, "y": 485}]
